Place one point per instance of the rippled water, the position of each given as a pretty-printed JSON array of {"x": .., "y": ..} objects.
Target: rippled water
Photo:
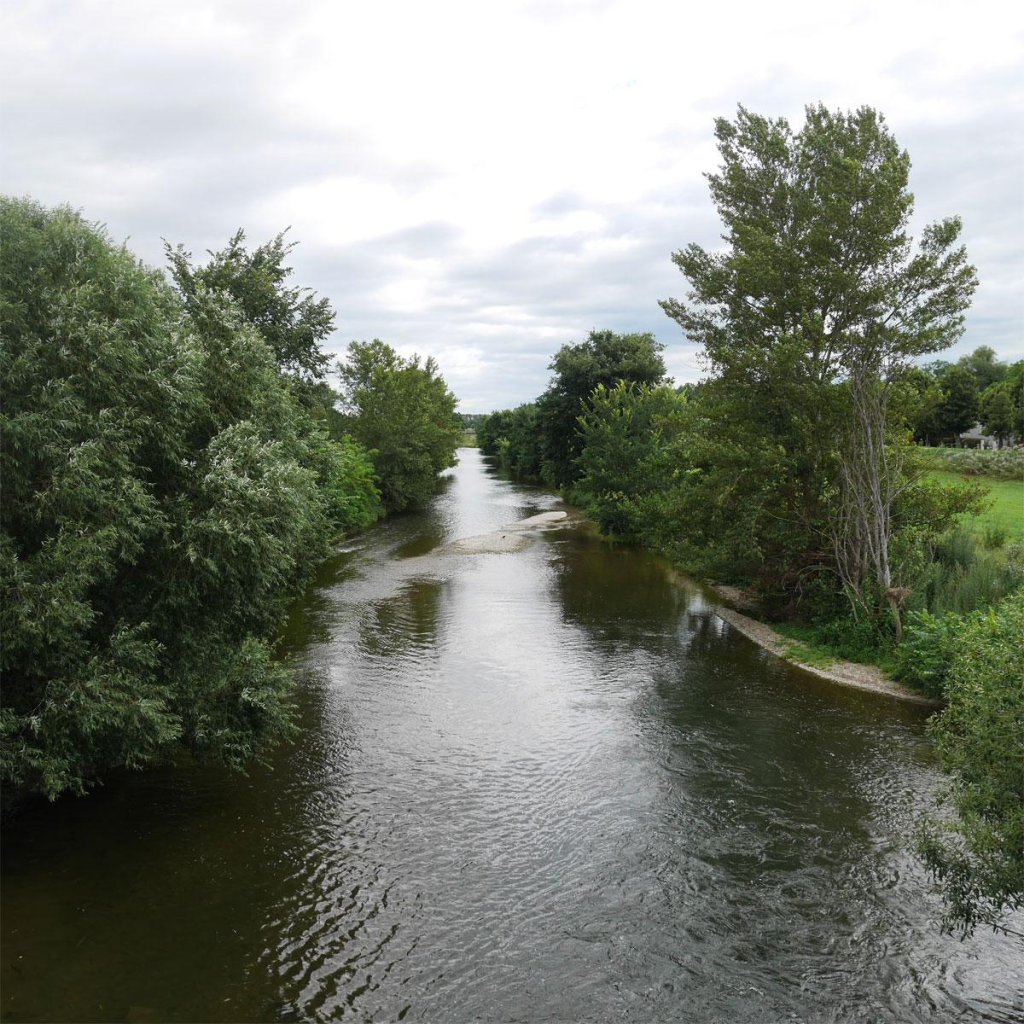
[{"x": 545, "y": 785}]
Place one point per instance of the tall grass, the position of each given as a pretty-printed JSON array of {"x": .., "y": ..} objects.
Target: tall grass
[
  {"x": 966, "y": 572},
  {"x": 1001, "y": 464}
]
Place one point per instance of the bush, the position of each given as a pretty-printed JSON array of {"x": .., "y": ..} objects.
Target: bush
[
  {"x": 161, "y": 505},
  {"x": 349, "y": 485},
  {"x": 977, "y": 856}
]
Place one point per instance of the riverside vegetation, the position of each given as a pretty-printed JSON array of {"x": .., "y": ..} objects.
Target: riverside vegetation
[
  {"x": 176, "y": 465},
  {"x": 792, "y": 469},
  {"x": 174, "y": 470}
]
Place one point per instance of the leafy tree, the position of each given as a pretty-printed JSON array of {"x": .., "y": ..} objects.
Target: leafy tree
[
  {"x": 161, "y": 505},
  {"x": 998, "y": 415},
  {"x": 605, "y": 358},
  {"x": 959, "y": 409},
  {"x": 818, "y": 287},
  {"x": 983, "y": 364},
  {"x": 920, "y": 404},
  {"x": 627, "y": 458},
  {"x": 402, "y": 410},
  {"x": 491, "y": 428},
  {"x": 977, "y": 856},
  {"x": 292, "y": 321},
  {"x": 1002, "y": 406}
]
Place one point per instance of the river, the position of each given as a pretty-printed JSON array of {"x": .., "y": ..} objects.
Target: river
[{"x": 546, "y": 785}]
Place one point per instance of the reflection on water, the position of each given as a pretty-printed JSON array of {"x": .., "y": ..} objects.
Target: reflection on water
[{"x": 549, "y": 785}]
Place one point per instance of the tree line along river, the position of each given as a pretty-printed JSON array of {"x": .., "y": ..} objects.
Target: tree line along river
[{"x": 542, "y": 784}]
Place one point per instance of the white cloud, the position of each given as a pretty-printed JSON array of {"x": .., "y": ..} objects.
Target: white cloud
[{"x": 488, "y": 181}]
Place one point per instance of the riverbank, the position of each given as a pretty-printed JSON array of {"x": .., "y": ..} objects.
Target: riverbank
[{"x": 846, "y": 673}]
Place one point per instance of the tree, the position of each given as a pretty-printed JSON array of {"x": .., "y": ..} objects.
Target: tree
[
  {"x": 627, "y": 455},
  {"x": 982, "y": 363},
  {"x": 997, "y": 414},
  {"x": 920, "y": 403},
  {"x": 1002, "y": 406},
  {"x": 402, "y": 410},
  {"x": 959, "y": 409},
  {"x": 605, "y": 358},
  {"x": 817, "y": 295},
  {"x": 292, "y": 321},
  {"x": 162, "y": 504}
]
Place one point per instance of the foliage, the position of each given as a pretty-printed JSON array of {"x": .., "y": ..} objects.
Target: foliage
[
  {"x": 817, "y": 287},
  {"x": 604, "y": 359},
  {"x": 162, "y": 502},
  {"x": 292, "y": 321},
  {"x": 404, "y": 413},
  {"x": 959, "y": 408},
  {"x": 977, "y": 855},
  {"x": 348, "y": 482},
  {"x": 1002, "y": 406},
  {"x": 984, "y": 367},
  {"x": 627, "y": 433}
]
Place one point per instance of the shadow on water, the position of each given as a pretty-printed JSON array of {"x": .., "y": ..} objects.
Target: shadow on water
[{"x": 549, "y": 785}]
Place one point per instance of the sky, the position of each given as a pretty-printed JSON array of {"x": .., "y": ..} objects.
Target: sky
[{"x": 487, "y": 181}]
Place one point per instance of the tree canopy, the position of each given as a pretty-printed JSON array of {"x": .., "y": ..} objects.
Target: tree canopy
[
  {"x": 291, "y": 320},
  {"x": 604, "y": 359},
  {"x": 165, "y": 496},
  {"x": 402, "y": 410}
]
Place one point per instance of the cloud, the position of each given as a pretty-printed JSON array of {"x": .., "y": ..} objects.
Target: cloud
[{"x": 488, "y": 182}]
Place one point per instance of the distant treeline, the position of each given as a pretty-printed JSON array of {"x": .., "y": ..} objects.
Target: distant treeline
[
  {"x": 174, "y": 468},
  {"x": 791, "y": 470}
]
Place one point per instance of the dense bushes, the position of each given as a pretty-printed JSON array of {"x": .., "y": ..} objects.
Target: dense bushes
[
  {"x": 977, "y": 854},
  {"x": 169, "y": 485},
  {"x": 161, "y": 503}
]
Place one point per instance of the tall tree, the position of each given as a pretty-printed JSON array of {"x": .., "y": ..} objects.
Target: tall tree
[
  {"x": 161, "y": 505},
  {"x": 959, "y": 409},
  {"x": 818, "y": 286},
  {"x": 604, "y": 359},
  {"x": 1002, "y": 405},
  {"x": 293, "y": 321}
]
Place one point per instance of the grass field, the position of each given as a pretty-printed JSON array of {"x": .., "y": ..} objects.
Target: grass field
[{"x": 1006, "y": 498}]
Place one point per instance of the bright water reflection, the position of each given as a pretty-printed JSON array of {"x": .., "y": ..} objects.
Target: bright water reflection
[{"x": 549, "y": 785}]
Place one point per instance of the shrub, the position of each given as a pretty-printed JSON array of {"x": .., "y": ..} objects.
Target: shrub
[
  {"x": 161, "y": 505},
  {"x": 977, "y": 855}
]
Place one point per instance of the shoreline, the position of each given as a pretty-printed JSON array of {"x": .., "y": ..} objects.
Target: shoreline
[{"x": 845, "y": 673}]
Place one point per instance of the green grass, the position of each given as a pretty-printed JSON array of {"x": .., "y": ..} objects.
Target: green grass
[
  {"x": 1006, "y": 500},
  {"x": 808, "y": 654}
]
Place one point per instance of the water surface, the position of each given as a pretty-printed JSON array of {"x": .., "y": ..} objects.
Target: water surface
[{"x": 549, "y": 785}]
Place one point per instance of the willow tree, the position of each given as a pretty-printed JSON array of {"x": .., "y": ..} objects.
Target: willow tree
[{"x": 814, "y": 307}]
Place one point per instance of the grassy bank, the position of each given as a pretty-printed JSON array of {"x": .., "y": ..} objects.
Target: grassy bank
[{"x": 1006, "y": 503}]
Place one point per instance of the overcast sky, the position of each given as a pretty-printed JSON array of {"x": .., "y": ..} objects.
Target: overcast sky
[{"x": 487, "y": 181}]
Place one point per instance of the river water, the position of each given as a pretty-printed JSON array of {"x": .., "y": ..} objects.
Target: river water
[{"x": 547, "y": 785}]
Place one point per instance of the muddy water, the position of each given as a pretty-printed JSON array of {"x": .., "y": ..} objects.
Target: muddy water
[{"x": 546, "y": 783}]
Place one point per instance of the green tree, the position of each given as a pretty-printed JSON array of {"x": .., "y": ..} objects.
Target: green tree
[
  {"x": 292, "y": 321},
  {"x": 161, "y": 505},
  {"x": 959, "y": 409},
  {"x": 605, "y": 358},
  {"x": 627, "y": 460},
  {"x": 983, "y": 364},
  {"x": 817, "y": 287},
  {"x": 1002, "y": 405},
  {"x": 921, "y": 403},
  {"x": 404, "y": 413}
]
